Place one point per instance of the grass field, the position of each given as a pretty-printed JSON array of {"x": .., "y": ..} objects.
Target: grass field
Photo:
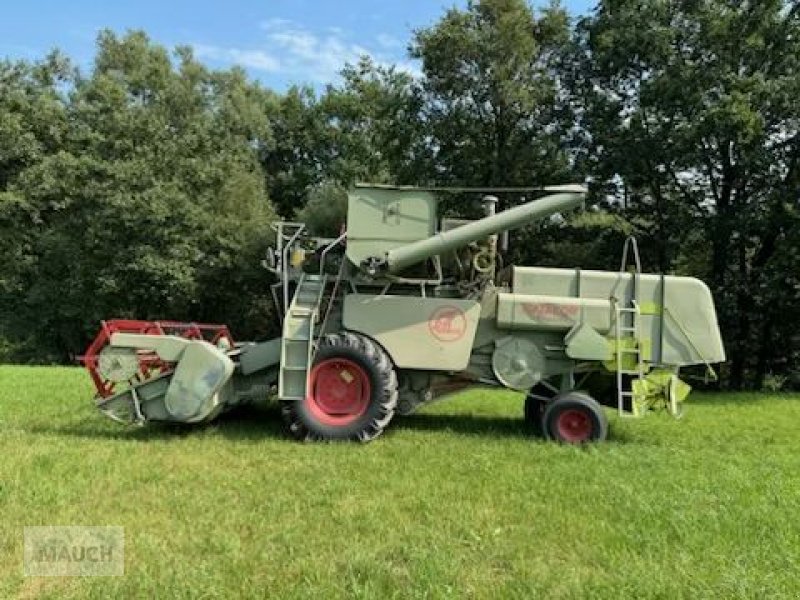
[{"x": 457, "y": 501}]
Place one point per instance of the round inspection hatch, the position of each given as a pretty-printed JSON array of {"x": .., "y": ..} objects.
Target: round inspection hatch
[{"x": 518, "y": 363}]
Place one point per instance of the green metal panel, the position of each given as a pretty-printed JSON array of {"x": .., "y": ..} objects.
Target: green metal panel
[
  {"x": 690, "y": 323},
  {"x": 583, "y": 342},
  {"x": 381, "y": 219},
  {"x": 553, "y": 313},
  {"x": 256, "y": 357},
  {"x": 682, "y": 332},
  {"x": 168, "y": 347},
  {"x": 418, "y": 333},
  {"x": 201, "y": 373}
]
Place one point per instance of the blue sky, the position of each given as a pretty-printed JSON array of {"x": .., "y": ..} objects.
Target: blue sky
[{"x": 279, "y": 42}]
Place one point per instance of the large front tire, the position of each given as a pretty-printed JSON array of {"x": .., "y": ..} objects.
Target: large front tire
[{"x": 351, "y": 395}]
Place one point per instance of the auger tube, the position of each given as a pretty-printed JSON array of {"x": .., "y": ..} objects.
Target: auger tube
[{"x": 399, "y": 258}]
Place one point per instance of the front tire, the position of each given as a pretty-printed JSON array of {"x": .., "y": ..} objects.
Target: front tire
[
  {"x": 575, "y": 418},
  {"x": 352, "y": 392}
]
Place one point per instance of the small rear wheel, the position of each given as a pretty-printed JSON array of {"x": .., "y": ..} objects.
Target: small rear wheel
[
  {"x": 575, "y": 418},
  {"x": 351, "y": 395}
]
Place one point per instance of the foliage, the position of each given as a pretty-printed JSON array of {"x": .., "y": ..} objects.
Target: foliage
[
  {"x": 146, "y": 187},
  {"x": 325, "y": 213},
  {"x": 150, "y": 203},
  {"x": 491, "y": 97},
  {"x": 294, "y": 159},
  {"x": 377, "y": 136},
  {"x": 690, "y": 123},
  {"x": 364, "y": 129}
]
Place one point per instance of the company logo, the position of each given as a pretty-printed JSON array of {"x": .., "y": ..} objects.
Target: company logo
[
  {"x": 77, "y": 551},
  {"x": 545, "y": 311},
  {"x": 448, "y": 323}
]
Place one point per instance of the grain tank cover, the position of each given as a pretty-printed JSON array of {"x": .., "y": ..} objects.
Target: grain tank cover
[{"x": 380, "y": 219}]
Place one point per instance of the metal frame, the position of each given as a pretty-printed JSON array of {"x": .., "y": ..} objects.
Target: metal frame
[{"x": 285, "y": 243}]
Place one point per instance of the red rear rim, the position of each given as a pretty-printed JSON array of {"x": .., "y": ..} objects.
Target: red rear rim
[
  {"x": 574, "y": 426},
  {"x": 339, "y": 391}
]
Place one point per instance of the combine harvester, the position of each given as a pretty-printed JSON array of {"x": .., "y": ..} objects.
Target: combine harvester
[{"x": 397, "y": 312}]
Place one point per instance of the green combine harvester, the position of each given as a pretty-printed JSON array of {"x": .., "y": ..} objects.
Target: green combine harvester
[{"x": 402, "y": 309}]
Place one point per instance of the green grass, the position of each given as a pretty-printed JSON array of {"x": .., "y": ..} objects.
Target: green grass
[{"x": 456, "y": 501}]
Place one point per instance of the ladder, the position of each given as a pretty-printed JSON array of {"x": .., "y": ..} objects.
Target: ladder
[
  {"x": 297, "y": 345},
  {"x": 628, "y": 336},
  {"x": 628, "y": 345}
]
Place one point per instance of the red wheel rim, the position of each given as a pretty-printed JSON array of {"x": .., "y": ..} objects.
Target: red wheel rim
[
  {"x": 339, "y": 391},
  {"x": 574, "y": 426}
]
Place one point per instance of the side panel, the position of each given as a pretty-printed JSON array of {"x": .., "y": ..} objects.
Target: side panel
[
  {"x": 200, "y": 375},
  {"x": 552, "y": 313},
  {"x": 418, "y": 333},
  {"x": 379, "y": 220},
  {"x": 256, "y": 357},
  {"x": 690, "y": 323},
  {"x": 678, "y": 319}
]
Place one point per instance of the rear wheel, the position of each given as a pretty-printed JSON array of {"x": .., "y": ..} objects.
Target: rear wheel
[
  {"x": 351, "y": 395},
  {"x": 575, "y": 418}
]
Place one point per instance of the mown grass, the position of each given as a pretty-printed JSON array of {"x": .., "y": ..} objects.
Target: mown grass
[{"x": 458, "y": 501}]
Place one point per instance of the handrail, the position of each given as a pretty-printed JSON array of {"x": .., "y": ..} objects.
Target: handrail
[
  {"x": 331, "y": 300},
  {"x": 284, "y": 258},
  {"x": 569, "y": 187},
  {"x": 630, "y": 241},
  {"x": 327, "y": 249}
]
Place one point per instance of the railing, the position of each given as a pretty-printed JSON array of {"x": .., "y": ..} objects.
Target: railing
[
  {"x": 285, "y": 242},
  {"x": 327, "y": 249},
  {"x": 335, "y": 289}
]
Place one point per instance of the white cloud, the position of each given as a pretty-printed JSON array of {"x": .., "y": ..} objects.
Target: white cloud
[
  {"x": 274, "y": 23},
  {"x": 303, "y": 55},
  {"x": 252, "y": 59},
  {"x": 388, "y": 41}
]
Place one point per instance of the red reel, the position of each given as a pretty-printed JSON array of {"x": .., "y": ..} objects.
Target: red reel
[{"x": 108, "y": 369}]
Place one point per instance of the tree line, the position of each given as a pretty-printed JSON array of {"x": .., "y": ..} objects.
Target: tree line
[{"x": 146, "y": 186}]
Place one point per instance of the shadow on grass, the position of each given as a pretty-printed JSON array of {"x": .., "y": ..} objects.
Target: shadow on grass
[
  {"x": 463, "y": 425},
  {"x": 245, "y": 423},
  {"x": 254, "y": 423},
  {"x": 505, "y": 427}
]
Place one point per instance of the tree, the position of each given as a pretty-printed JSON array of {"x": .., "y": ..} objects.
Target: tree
[
  {"x": 691, "y": 121},
  {"x": 366, "y": 128},
  {"x": 325, "y": 213},
  {"x": 295, "y": 159},
  {"x": 33, "y": 124},
  {"x": 376, "y": 131},
  {"x": 491, "y": 94},
  {"x": 151, "y": 206}
]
